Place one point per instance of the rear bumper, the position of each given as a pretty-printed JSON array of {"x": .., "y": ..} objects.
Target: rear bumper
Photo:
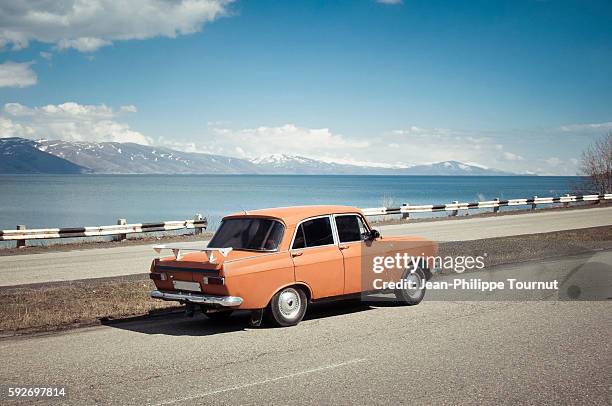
[{"x": 225, "y": 301}]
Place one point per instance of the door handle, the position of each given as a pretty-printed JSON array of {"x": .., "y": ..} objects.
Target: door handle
[
  {"x": 344, "y": 247},
  {"x": 296, "y": 254}
]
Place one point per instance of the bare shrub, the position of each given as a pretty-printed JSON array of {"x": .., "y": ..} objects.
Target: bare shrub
[{"x": 597, "y": 164}]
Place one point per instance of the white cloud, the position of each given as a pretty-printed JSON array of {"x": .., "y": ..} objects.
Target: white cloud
[
  {"x": 389, "y": 1},
  {"x": 349, "y": 161},
  {"x": 287, "y": 139},
  {"x": 128, "y": 109},
  {"x": 83, "y": 44},
  {"x": 70, "y": 122},
  {"x": 185, "y": 146},
  {"x": 87, "y": 25},
  {"x": 412, "y": 145},
  {"x": 46, "y": 55},
  {"x": 16, "y": 109},
  {"x": 558, "y": 166},
  {"x": 509, "y": 156},
  {"x": 11, "y": 129},
  {"x": 399, "y": 148},
  {"x": 420, "y": 131},
  {"x": 586, "y": 127},
  {"x": 419, "y": 145},
  {"x": 13, "y": 74}
]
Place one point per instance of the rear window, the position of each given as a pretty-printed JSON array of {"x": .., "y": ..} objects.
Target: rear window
[{"x": 255, "y": 234}]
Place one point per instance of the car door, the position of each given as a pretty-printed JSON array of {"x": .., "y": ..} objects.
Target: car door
[
  {"x": 351, "y": 230},
  {"x": 316, "y": 258}
]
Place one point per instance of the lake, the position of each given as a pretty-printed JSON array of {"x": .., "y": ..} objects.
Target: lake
[{"x": 40, "y": 201}]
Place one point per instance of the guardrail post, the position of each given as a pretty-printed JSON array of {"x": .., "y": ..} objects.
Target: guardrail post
[
  {"x": 197, "y": 217},
  {"x": 496, "y": 208},
  {"x": 121, "y": 222},
  {"x": 405, "y": 215},
  {"x": 566, "y": 204},
  {"x": 21, "y": 243},
  {"x": 455, "y": 212},
  {"x": 533, "y": 205}
]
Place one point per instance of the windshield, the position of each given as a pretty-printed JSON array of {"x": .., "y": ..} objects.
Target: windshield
[{"x": 248, "y": 234}]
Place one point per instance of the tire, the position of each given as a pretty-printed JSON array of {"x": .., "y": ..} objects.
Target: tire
[
  {"x": 409, "y": 296},
  {"x": 217, "y": 316},
  {"x": 287, "y": 307}
]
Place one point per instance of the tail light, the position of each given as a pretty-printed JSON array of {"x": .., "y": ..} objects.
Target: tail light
[
  {"x": 214, "y": 280},
  {"x": 157, "y": 276}
]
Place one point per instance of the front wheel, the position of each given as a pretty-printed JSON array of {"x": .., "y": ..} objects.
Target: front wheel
[
  {"x": 287, "y": 307},
  {"x": 414, "y": 291}
]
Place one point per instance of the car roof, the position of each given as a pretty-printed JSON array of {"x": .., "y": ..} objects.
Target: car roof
[{"x": 294, "y": 214}]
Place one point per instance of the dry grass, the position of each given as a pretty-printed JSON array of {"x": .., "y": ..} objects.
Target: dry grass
[
  {"x": 521, "y": 248},
  {"x": 68, "y": 304}
]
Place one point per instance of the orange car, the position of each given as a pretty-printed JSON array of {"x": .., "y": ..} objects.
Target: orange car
[{"x": 276, "y": 261}]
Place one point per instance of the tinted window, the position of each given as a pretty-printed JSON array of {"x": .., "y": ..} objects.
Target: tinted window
[
  {"x": 300, "y": 241},
  {"x": 249, "y": 234},
  {"x": 313, "y": 233},
  {"x": 350, "y": 228}
]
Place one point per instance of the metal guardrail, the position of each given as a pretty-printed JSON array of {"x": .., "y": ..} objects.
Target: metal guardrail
[
  {"x": 21, "y": 234},
  {"x": 495, "y": 204}
]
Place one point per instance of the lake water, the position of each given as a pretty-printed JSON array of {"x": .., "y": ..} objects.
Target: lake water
[{"x": 40, "y": 201}]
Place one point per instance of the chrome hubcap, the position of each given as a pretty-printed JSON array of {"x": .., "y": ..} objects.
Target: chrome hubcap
[
  {"x": 289, "y": 303},
  {"x": 413, "y": 279}
]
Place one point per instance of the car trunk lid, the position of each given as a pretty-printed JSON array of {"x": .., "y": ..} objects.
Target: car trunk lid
[{"x": 200, "y": 271}]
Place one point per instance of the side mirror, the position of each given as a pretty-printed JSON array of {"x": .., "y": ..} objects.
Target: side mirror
[{"x": 374, "y": 234}]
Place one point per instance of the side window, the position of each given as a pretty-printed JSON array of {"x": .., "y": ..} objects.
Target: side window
[
  {"x": 350, "y": 228},
  {"x": 313, "y": 233},
  {"x": 300, "y": 241}
]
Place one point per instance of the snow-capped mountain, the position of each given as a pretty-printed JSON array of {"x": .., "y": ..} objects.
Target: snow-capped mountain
[
  {"x": 113, "y": 157},
  {"x": 295, "y": 164},
  {"x": 18, "y": 155},
  {"x": 44, "y": 156},
  {"x": 454, "y": 168},
  {"x": 279, "y": 159}
]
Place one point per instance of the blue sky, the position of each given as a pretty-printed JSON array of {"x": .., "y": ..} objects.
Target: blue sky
[{"x": 516, "y": 85}]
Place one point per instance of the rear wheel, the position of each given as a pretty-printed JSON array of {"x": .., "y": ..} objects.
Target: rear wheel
[
  {"x": 217, "y": 315},
  {"x": 413, "y": 292},
  {"x": 287, "y": 307}
]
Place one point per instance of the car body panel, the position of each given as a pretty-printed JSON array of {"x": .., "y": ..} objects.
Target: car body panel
[
  {"x": 255, "y": 276},
  {"x": 322, "y": 268}
]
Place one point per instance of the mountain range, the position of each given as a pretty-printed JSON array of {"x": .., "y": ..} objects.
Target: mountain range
[{"x": 19, "y": 155}]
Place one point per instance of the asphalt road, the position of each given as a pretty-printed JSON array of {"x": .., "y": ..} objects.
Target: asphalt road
[
  {"x": 439, "y": 352},
  {"x": 104, "y": 262}
]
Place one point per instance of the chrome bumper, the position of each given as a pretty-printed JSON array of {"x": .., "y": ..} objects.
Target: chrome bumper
[{"x": 225, "y": 301}]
